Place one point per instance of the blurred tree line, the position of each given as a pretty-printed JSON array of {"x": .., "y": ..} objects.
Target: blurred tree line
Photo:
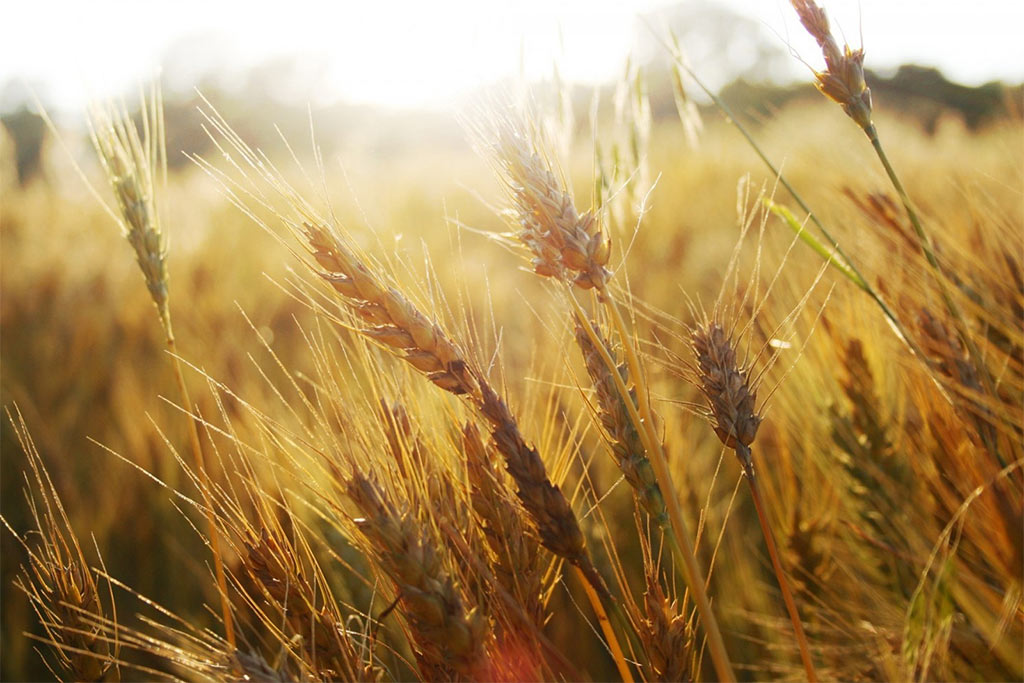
[{"x": 734, "y": 54}]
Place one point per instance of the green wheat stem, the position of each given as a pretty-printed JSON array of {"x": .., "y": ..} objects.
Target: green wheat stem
[{"x": 929, "y": 253}]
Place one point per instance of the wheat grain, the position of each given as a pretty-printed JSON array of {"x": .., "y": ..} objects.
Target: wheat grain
[
  {"x": 623, "y": 439},
  {"x": 450, "y": 639}
]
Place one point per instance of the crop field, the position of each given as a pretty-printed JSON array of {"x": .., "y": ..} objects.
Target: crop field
[{"x": 550, "y": 391}]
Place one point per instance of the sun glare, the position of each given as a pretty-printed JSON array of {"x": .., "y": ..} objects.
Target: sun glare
[{"x": 414, "y": 54}]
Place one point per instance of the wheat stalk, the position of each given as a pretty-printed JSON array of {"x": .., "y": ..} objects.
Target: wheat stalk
[
  {"x": 732, "y": 405},
  {"x": 843, "y": 82},
  {"x": 132, "y": 165}
]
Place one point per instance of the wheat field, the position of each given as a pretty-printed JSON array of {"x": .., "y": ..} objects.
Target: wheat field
[{"x": 562, "y": 397}]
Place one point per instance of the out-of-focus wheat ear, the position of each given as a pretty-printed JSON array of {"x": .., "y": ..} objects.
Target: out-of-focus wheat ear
[
  {"x": 514, "y": 547},
  {"x": 404, "y": 447},
  {"x": 450, "y": 641},
  {"x": 686, "y": 106},
  {"x": 731, "y": 400},
  {"x": 623, "y": 438},
  {"x": 842, "y": 81},
  {"x": 273, "y": 563},
  {"x": 58, "y": 582},
  {"x": 948, "y": 355},
  {"x": 667, "y": 635}
]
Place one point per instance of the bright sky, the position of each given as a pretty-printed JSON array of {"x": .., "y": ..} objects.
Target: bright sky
[{"x": 426, "y": 52}]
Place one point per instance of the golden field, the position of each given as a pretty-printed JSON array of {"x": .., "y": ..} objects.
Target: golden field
[{"x": 375, "y": 523}]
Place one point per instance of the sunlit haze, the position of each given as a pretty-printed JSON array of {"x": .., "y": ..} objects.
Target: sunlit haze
[{"x": 410, "y": 54}]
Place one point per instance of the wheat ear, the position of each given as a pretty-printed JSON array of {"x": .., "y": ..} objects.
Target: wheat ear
[
  {"x": 667, "y": 634},
  {"x": 624, "y": 440},
  {"x": 57, "y": 579},
  {"x": 273, "y": 564}
]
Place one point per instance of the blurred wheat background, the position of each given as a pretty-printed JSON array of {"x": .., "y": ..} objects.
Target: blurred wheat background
[{"x": 531, "y": 390}]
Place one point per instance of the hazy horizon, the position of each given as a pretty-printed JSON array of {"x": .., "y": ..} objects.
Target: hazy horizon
[{"x": 407, "y": 55}]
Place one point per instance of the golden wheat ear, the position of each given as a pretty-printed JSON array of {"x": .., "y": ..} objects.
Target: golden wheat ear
[
  {"x": 450, "y": 640},
  {"x": 133, "y": 165},
  {"x": 842, "y": 81},
  {"x": 726, "y": 386},
  {"x": 623, "y": 438},
  {"x": 58, "y": 581},
  {"x": 565, "y": 244}
]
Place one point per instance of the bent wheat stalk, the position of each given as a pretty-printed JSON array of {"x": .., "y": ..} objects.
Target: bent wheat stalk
[{"x": 397, "y": 324}]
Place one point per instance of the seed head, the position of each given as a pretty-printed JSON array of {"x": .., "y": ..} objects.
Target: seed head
[
  {"x": 565, "y": 244},
  {"x": 450, "y": 639},
  {"x": 727, "y": 388},
  {"x": 843, "y": 78},
  {"x": 131, "y": 165},
  {"x": 624, "y": 440},
  {"x": 666, "y": 634},
  {"x": 391, "y": 318}
]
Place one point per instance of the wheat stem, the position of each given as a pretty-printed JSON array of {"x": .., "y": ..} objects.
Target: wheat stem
[
  {"x": 929, "y": 253},
  {"x": 204, "y": 487},
  {"x": 606, "y": 627},
  {"x": 780, "y": 575}
]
